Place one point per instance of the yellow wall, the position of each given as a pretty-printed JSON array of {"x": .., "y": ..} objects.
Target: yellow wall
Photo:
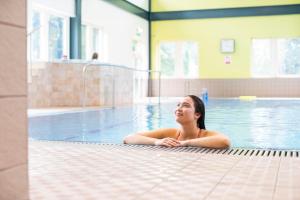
[
  {"x": 175, "y": 5},
  {"x": 209, "y": 32}
]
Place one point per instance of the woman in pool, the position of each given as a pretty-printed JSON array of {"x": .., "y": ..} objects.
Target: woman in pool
[{"x": 190, "y": 114}]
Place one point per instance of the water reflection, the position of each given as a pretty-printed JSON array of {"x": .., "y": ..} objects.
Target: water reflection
[{"x": 153, "y": 117}]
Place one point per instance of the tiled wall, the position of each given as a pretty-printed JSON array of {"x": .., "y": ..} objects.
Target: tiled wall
[
  {"x": 62, "y": 84},
  {"x": 260, "y": 87},
  {"x": 13, "y": 101}
]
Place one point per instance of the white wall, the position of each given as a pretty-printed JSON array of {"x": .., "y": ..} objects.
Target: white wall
[
  {"x": 64, "y": 7},
  {"x": 144, "y": 4},
  {"x": 120, "y": 28}
]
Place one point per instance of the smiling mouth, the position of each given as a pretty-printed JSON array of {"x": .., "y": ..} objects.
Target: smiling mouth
[{"x": 179, "y": 114}]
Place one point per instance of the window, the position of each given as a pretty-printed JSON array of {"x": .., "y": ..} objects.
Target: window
[
  {"x": 290, "y": 60},
  {"x": 91, "y": 41},
  {"x": 275, "y": 57},
  {"x": 167, "y": 59},
  {"x": 56, "y": 27},
  {"x": 179, "y": 60},
  {"x": 48, "y": 35},
  {"x": 34, "y": 35},
  {"x": 83, "y": 42},
  {"x": 95, "y": 40}
]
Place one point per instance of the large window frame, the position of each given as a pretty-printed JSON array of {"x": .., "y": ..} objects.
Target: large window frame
[
  {"x": 268, "y": 56},
  {"x": 181, "y": 66},
  {"x": 88, "y": 47},
  {"x": 44, "y": 33}
]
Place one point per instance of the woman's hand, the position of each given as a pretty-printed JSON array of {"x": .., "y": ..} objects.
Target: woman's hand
[
  {"x": 184, "y": 143},
  {"x": 168, "y": 142}
]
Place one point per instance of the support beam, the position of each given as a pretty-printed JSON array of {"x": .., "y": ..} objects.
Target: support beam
[
  {"x": 75, "y": 32},
  {"x": 149, "y": 54},
  {"x": 126, "y": 5},
  {"x": 227, "y": 12}
]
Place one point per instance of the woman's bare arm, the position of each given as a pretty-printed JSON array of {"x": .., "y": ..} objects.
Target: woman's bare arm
[
  {"x": 211, "y": 139},
  {"x": 151, "y": 137}
]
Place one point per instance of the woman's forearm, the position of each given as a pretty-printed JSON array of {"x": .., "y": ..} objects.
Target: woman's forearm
[
  {"x": 139, "y": 139},
  {"x": 210, "y": 142}
]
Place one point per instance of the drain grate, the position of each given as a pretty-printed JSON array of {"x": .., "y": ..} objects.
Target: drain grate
[{"x": 231, "y": 151}]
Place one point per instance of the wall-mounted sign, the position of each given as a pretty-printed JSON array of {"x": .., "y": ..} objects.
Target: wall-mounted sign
[
  {"x": 227, "y": 59},
  {"x": 227, "y": 45}
]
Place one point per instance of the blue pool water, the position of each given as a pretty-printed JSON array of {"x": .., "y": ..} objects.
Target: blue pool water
[{"x": 270, "y": 124}]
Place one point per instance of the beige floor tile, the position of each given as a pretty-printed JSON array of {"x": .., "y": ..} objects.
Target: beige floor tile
[
  {"x": 251, "y": 176},
  {"x": 287, "y": 193},
  {"x": 240, "y": 192},
  {"x": 258, "y": 162},
  {"x": 289, "y": 172},
  {"x": 288, "y": 178},
  {"x": 60, "y": 170}
]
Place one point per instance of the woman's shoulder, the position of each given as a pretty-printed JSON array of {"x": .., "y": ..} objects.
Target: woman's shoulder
[
  {"x": 169, "y": 131},
  {"x": 161, "y": 133},
  {"x": 205, "y": 133}
]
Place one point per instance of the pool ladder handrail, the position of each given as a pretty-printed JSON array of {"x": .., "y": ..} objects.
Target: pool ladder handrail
[{"x": 100, "y": 64}]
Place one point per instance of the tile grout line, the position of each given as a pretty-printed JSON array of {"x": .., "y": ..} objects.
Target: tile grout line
[
  {"x": 11, "y": 24},
  {"x": 233, "y": 159},
  {"x": 11, "y": 167},
  {"x": 165, "y": 179},
  {"x": 12, "y": 96},
  {"x": 276, "y": 180},
  {"x": 207, "y": 195}
]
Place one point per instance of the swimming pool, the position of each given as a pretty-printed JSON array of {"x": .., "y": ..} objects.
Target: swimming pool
[{"x": 272, "y": 124}]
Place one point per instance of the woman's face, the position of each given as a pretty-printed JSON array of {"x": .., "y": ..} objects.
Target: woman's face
[{"x": 185, "y": 111}]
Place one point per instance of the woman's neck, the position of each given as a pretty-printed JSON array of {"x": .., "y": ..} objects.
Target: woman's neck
[{"x": 189, "y": 131}]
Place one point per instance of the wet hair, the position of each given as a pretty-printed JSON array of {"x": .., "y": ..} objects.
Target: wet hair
[{"x": 199, "y": 108}]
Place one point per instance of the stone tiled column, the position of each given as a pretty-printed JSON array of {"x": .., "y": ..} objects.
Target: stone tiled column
[{"x": 13, "y": 101}]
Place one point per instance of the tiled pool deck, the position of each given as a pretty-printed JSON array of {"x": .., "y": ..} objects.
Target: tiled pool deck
[{"x": 60, "y": 170}]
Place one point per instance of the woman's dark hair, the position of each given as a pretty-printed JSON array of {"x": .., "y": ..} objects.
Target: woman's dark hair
[{"x": 199, "y": 108}]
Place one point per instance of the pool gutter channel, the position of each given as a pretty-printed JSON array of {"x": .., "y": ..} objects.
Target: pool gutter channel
[{"x": 229, "y": 151}]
